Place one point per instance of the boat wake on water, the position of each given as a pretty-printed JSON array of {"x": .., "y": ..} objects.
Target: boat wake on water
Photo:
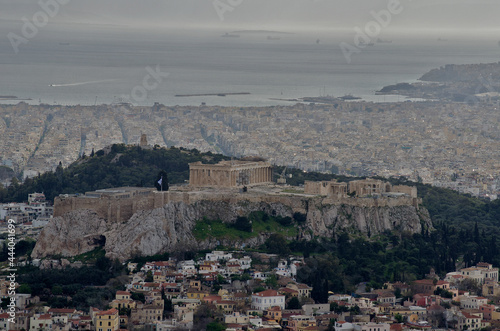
[{"x": 83, "y": 83}]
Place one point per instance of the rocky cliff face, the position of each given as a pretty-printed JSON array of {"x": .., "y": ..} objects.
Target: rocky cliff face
[{"x": 170, "y": 228}]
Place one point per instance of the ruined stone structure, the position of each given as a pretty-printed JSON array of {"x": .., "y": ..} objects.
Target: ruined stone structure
[
  {"x": 359, "y": 188},
  {"x": 144, "y": 140},
  {"x": 331, "y": 188},
  {"x": 368, "y": 187},
  {"x": 230, "y": 174}
]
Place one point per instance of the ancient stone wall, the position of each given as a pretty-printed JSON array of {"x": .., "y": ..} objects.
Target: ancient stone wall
[
  {"x": 376, "y": 202},
  {"x": 119, "y": 210},
  {"x": 108, "y": 208}
]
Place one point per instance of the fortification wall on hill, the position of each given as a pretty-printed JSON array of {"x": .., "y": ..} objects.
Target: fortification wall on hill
[{"x": 121, "y": 209}]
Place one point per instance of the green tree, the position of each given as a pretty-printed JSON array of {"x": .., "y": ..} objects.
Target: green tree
[
  {"x": 355, "y": 310},
  {"x": 24, "y": 247},
  {"x": 103, "y": 263},
  {"x": 259, "y": 289},
  {"x": 149, "y": 277},
  {"x": 24, "y": 288},
  {"x": 57, "y": 290},
  {"x": 300, "y": 218},
  {"x": 215, "y": 326},
  {"x": 331, "y": 325},
  {"x": 272, "y": 281},
  {"x": 125, "y": 311},
  {"x": 276, "y": 243},
  {"x": 138, "y": 296},
  {"x": 293, "y": 303},
  {"x": 243, "y": 224},
  {"x": 219, "y": 280}
]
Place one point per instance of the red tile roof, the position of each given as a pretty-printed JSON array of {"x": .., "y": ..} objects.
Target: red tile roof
[
  {"x": 61, "y": 310},
  {"x": 430, "y": 282},
  {"x": 467, "y": 315},
  {"x": 111, "y": 311},
  {"x": 267, "y": 293}
]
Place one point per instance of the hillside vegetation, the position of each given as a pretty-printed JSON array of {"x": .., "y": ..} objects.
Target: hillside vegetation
[
  {"x": 466, "y": 229},
  {"x": 120, "y": 165}
]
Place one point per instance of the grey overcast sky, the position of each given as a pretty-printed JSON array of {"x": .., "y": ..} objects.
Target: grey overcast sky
[{"x": 456, "y": 15}]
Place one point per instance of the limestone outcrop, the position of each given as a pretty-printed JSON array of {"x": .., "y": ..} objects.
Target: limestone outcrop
[
  {"x": 77, "y": 232},
  {"x": 169, "y": 228}
]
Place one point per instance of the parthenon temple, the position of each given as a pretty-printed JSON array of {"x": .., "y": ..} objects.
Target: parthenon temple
[{"x": 234, "y": 173}]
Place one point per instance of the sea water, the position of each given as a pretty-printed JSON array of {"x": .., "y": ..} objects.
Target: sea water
[{"x": 105, "y": 64}]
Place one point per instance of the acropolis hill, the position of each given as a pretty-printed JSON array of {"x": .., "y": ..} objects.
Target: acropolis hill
[
  {"x": 226, "y": 180},
  {"x": 129, "y": 221}
]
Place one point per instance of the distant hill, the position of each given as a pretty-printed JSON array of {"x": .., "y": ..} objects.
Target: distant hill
[
  {"x": 457, "y": 83},
  {"x": 115, "y": 166},
  {"x": 470, "y": 73}
]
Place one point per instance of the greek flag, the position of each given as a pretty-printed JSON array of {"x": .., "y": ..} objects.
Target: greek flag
[{"x": 160, "y": 181}]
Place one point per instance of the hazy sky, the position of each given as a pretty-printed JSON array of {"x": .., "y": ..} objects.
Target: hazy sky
[{"x": 264, "y": 14}]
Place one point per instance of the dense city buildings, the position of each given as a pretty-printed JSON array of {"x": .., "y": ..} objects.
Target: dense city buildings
[
  {"x": 454, "y": 145},
  {"x": 246, "y": 293}
]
